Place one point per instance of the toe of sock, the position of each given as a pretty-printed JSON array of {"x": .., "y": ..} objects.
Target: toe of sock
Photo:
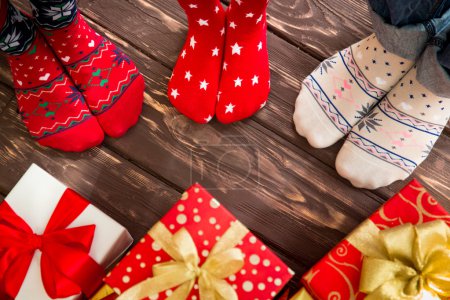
[
  {"x": 196, "y": 104},
  {"x": 124, "y": 114},
  {"x": 312, "y": 123},
  {"x": 230, "y": 111},
  {"x": 200, "y": 109},
  {"x": 78, "y": 138},
  {"x": 364, "y": 170}
]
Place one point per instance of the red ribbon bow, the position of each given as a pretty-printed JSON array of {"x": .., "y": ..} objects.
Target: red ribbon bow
[{"x": 66, "y": 267}]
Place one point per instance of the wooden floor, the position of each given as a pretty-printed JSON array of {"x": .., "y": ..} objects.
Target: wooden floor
[{"x": 285, "y": 191}]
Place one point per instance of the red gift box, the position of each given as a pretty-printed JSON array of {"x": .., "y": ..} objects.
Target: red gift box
[
  {"x": 262, "y": 276},
  {"x": 340, "y": 269}
]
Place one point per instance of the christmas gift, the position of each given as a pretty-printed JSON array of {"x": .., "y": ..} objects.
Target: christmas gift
[
  {"x": 198, "y": 250},
  {"x": 53, "y": 243},
  {"x": 401, "y": 252}
]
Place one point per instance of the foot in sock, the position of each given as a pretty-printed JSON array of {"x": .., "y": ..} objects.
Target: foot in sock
[
  {"x": 194, "y": 83},
  {"x": 109, "y": 80},
  {"x": 344, "y": 88},
  {"x": 395, "y": 137},
  {"x": 245, "y": 82},
  {"x": 51, "y": 107}
]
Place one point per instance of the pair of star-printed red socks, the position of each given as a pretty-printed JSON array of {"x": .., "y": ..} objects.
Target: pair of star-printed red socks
[
  {"x": 72, "y": 85},
  {"x": 223, "y": 69}
]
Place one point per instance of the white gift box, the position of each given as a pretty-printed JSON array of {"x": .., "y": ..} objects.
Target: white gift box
[{"x": 34, "y": 199}]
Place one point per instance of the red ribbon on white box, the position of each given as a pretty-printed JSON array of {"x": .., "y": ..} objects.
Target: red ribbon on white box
[{"x": 66, "y": 267}]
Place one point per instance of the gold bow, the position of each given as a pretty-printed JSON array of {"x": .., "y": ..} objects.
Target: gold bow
[
  {"x": 406, "y": 262},
  {"x": 223, "y": 260},
  {"x": 302, "y": 295}
]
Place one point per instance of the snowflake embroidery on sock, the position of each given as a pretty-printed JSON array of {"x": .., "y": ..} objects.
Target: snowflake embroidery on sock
[
  {"x": 365, "y": 110},
  {"x": 428, "y": 149},
  {"x": 59, "y": 12},
  {"x": 327, "y": 64},
  {"x": 370, "y": 122},
  {"x": 120, "y": 57},
  {"x": 75, "y": 95},
  {"x": 11, "y": 41}
]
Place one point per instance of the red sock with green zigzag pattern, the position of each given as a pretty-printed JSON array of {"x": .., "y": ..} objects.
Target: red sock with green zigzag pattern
[
  {"x": 51, "y": 107},
  {"x": 108, "y": 79}
]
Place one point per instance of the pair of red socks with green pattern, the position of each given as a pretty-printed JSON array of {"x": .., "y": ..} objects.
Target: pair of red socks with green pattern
[{"x": 72, "y": 85}]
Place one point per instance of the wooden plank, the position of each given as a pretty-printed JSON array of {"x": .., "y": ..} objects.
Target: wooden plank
[
  {"x": 244, "y": 201},
  {"x": 281, "y": 183},
  {"x": 6, "y": 96},
  {"x": 164, "y": 23},
  {"x": 55, "y": 161},
  {"x": 296, "y": 192},
  {"x": 320, "y": 27},
  {"x": 124, "y": 191}
]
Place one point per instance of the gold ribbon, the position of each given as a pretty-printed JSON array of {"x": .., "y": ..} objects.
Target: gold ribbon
[
  {"x": 406, "y": 262},
  {"x": 103, "y": 292},
  {"x": 223, "y": 260},
  {"x": 302, "y": 295}
]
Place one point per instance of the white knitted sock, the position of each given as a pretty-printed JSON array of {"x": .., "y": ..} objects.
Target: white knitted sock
[
  {"x": 395, "y": 137},
  {"x": 344, "y": 88}
]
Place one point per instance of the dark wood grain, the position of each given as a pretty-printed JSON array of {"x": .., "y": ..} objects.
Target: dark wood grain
[
  {"x": 285, "y": 191},
  {"x": 320, "y": 27},
  {"x": 289, "y": 66},
  {"x": 169, "y": 118},
  {"x": 6, "y": 96},
  {"x": 284, "y": 185}
]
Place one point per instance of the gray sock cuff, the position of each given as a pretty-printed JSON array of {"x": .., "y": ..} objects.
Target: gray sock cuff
[
  {"x": 407, "y": 41},
  {"x": 431, "y": 74}
]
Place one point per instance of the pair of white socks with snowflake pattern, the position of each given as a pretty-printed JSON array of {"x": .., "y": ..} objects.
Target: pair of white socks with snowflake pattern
[{"x": 373, "y": 97}]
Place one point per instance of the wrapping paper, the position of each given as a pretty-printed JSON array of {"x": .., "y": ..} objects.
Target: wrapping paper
[
  {"x": 341, "y": 267},
  {"x": 34, "y": 199},
  {"x": 262, "y": 276}
]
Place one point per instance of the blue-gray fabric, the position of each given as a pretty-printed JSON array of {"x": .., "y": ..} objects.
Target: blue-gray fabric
[
  {"x": 419, "y": 30},
  {"x": 404, "y": 12}
]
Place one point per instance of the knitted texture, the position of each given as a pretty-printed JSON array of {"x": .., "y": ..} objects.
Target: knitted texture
[
  {"x": 395, "y": 137},
  {"x": 344, "y": 88},
  {"x": 245, "y": 83},
  {"x": 51, "y": 107},
  {"x": 107, "y": 78},
  {"x": 194, "y": 84},
  {"x": 53, "y": 14}
]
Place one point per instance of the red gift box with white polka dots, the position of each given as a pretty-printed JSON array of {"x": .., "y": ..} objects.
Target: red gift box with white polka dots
[{"x": 261, "y": 278}]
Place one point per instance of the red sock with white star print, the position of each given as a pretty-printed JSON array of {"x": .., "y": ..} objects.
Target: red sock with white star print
[
  {"x": 195, "y": 79},
  {"x": 108, "y": 79},
  {"x": 245, "y": 83}
]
